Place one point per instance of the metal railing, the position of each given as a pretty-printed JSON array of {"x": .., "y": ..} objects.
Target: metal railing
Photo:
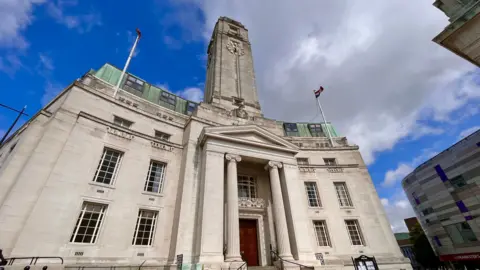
[
  {"x": 275, "y": 255},
  {"x": 33, "y": 260}
]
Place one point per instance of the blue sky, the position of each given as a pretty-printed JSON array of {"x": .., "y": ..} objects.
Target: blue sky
[{"x": 401, "y": 104}]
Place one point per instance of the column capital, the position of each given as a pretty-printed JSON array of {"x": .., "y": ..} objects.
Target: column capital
[
  {"x": 273, "y": 165},
  {"x": 233, "y": 158}
]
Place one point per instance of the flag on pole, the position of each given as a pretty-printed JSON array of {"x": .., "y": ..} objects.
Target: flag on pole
[
  {"x": 139, "y": 33},
  {"x": 318, "y": 92}
]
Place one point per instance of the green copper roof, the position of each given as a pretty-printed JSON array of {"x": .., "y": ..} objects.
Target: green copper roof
[
  {"x": 149, "y": 92},
  {"x": 402, "y": 236}
]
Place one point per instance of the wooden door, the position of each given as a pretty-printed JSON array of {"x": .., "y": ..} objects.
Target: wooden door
[{"x": 248, "y": 241}]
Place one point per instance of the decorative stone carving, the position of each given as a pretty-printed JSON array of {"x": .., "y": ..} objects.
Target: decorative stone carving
[
  {"x": 120, "y": 133},
  {"x": 235, "y": 48},
  {"x": 233, "y": 158},
  {"x": 273, "y": 164},
  {"x": 305, "y": 169},
  {"x": 251, "y": 203},
  {"x": 161, "y": 146},
  {"x": 335, "y": 170},
  {"x": 241, "y": 112}
]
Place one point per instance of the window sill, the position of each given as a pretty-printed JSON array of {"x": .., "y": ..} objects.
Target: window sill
[
  {"x": 315, "y": 207},
  {"x": 152, "y": 194},
  {"x": 347, "y": 207},
  {"x": 82, "y": 244},
  {"x": 101, "y": 185}
]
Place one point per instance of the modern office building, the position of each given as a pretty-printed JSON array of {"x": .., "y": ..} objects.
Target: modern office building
[
  {"x": 445, "y": 194},
  {"x": 461, "y": 36},
  {"x": 143, "y": 176}
]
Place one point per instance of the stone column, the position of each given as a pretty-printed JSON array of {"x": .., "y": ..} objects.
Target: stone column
[
  {"x": 233, "y": 231},
  {"x": 283, "y": 243}
]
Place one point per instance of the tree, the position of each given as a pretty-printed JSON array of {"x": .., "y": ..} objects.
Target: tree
[{"x": 424, "y": 254}]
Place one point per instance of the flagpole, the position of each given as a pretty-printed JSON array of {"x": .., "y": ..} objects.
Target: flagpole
[
  {"x": 127, "y": 63},
  {"x": 324, "y": 119}
]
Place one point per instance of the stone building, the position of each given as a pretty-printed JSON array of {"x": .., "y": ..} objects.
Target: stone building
[
  {"x": 445, "y": 194},
  {"x": 461, "y": 36},
  {"x": 145, "y": 176}
]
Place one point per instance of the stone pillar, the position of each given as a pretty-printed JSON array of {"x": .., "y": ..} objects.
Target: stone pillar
[
  {"x": 233, "y": 231},
  {"x": 283, "y": 243}
]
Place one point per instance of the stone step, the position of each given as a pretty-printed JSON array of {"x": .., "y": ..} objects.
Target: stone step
[{"x": 270, "y": 267}]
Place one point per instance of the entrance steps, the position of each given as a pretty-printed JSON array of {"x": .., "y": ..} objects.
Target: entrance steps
[{"x": 269, "y": 267}]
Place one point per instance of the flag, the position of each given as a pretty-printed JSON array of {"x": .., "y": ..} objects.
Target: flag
[
  {"x": 139, "y": 33},
  {"x": 318, "y": 92}
]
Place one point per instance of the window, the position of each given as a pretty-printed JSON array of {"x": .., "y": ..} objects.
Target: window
[
  {"x": 134, "y": 83},
  {"x": 458, "y": 182},
  {"x": 290, "y": 129},
  {"x": 427, "y": 211},
  {"x": 108, "y": 166},
  {"x": 122, "y": 122},
  {"x": 330, "y": 161},
  {"x": 321, "y": 231},
  {"x": 312, "y": 194},
  {"x": 461, "y": 233},
  {"x": 246, "y": 187},
  {"x": 437, "y": 241},
  {"x": 155, "y": 177},
  {"x": 162, "y": 136},
  {"x": 191, "y": 108},
  {"x": 145, "y": 228},
  {"x": 233, "y": 29},
  {"x": 168, "y": 98},
  {"x": 316, "y": 130},
  {"x": 302, "y": 161},
  {"x": 353, "y": 228},
  {"x": 342, "y": 195},
  {"x": 415, "y": 197},
  {"x": 88, "y": 223}
]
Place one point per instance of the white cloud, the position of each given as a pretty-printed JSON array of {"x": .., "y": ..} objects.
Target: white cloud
[
  {"x": 46, "y": 62},
  {"x": 10, "y": 63},
  {"x": 383, "y": 81},
  {"x": 15, "y": 16},
  {"x": 192, "y": 93},
  {"x": 468, "y": 131},
  {"x": 81, "y": 22},
  {"x": 398, "y": 208},
  {"x": 51, "y": 90}
]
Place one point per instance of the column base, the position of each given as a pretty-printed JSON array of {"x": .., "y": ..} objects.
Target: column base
[{"x": 233, "y": 258}]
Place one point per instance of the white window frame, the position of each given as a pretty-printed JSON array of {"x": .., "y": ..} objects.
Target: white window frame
[
  {"x": 250, "y": 183},
  {"x": 115, "y": 170},
  {"x": 358, "y": 231},
  {"x": 323, "y": 237},
  {"x": 151, "y": 233},
  {"x": 122, "y": 122},
  {"x": 97, "y": 226},
  {"x": 314, "y": 192},
  {"x": 161, "y": 182},
  {"x": 344, "y": 200}
]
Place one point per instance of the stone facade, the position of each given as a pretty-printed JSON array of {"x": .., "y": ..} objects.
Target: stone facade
[{"x": 222, "y": 164}]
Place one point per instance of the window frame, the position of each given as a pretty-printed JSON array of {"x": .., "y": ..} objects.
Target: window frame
[
  {"x": 347, "y": 193},
  {"x": 168, "y": 98},
  {"x": 115, "y": 170},
  {"x": 291, "y": 129},
  {"x": 316, "y": 130},
  {"x": 326, "y": 233},
  {"x": 162, "y": 180},
  {"x": 328, "y": 161},
  {"x": 135, "y": 83},
  {"x": 303, "y": 161},
  {"x": 160, "y": 134},
  {"x": 358, "y": 231},
  {"x": 251, "y": 186},
  {"x": 98, "y": 223},
  {"x": 191, "y": 107},
  {"x": 122, "y": 122},
  {"x": 459, "y": 231},
  {"x": 455, "y": 181},
  {"x": 317, "y": 199},
  {"x": 151, "y": 236}
]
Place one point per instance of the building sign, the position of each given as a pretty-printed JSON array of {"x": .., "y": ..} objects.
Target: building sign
[
  {"x": 365, "y": 263},
  {"x": 460, "y": 257}
]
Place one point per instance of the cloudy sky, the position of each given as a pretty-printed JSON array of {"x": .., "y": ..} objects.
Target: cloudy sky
[{"x": 388, "y": 87}]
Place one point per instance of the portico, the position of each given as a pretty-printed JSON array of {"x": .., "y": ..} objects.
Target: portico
[{"x": 224, "y": 150}]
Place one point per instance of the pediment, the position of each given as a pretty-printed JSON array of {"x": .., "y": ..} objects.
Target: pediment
[{"x": 249, "y": 134}]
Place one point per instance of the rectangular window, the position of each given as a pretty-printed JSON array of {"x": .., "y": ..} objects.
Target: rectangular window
[
  {"x": 168, "y": 98},
  {"x": 302, "y": 161},
  {"x": 312, "y": 194},
  {"x": 461, "y": 233},
  {"x": 108, "y": 166},
  {"x": 415, "y": 197},
  {"x": 321, "y": 231},
  {"x": 458, "y": 181},
  {"x": 330, "y": 161},
  {"x": 155, "y": 177},
  {"x": 353, "y": 228},
  {"x": 162, "y": 136},
  {"x": 191, "y": 108},
  {"x": 88, "y": 223},
  {"x": 122, "y": 122},
  {"x": 291, "y": 129},
  {"x": 134, "y": 83},
  {"x": 316, "y": 130},
  {"x": 343, "y": 195},
  {"x": 246, "y": 187},
  {"x": 145, "y": 228},
  {"x": 427, "y": 211}
]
